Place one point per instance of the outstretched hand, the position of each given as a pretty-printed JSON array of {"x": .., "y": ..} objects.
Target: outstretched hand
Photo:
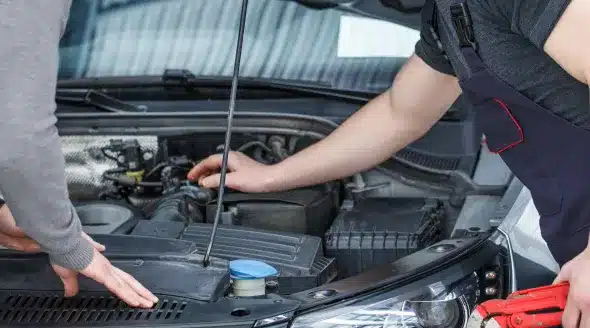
[
  {"x": 120, "y": 283},
  {"x": 100, "y": 269}
]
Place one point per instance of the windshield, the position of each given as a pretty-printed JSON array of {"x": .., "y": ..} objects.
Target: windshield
[{"x": 283, "y": 40}]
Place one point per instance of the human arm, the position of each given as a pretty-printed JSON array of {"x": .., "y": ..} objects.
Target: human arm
[
  {"x": 32, "y": 166},
  {"x": 568, "y": 43},
  {"x": 419, "y": 96},
  {"x": 34, "y": 187},
  {"x": 417, "y": 99}
]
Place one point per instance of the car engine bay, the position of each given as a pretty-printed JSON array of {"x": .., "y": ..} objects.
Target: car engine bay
[
  {"x": 137, "y": 186},
  {"x": 131, "y": 194}
]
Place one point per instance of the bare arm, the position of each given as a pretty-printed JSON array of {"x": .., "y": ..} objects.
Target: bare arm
[
  {"x": 418, "y": 98},
  {"x": 569, "y": 42},
  {"x": 569, "y": 45}
]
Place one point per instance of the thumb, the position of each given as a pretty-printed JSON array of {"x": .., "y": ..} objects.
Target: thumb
[
  {"x": 99, "y": 247},
  {"x": 69, "y": 279},
  {"x": 564, "y": 274}
]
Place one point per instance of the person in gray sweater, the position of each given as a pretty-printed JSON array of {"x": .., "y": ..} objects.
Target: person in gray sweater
[{"x": 32, "y": 167}]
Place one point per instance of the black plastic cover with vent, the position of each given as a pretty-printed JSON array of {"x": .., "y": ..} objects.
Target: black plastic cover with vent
[
  {"x": 298, "y": 258},
  {"x": 51, "y": 309},
  {"x": 88, "y": 309},
  {"x": 448, "y": 146},
  {"x": 166, "y": 267},
  {"x": 377, "y": 231}
]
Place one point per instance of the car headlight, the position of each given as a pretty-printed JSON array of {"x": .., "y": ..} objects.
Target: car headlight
[{"x": 439, "y": 304}]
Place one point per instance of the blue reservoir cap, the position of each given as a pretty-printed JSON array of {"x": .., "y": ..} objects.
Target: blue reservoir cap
[{"x": 250, "y": 269}]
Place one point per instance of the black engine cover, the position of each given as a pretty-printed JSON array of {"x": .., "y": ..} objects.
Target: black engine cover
[
  {"x": 164, "y": 266},
  {"x": 306, "y": 210}
]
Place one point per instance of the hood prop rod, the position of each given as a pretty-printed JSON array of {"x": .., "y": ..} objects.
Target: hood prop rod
[{"x": 230, "y": 115}]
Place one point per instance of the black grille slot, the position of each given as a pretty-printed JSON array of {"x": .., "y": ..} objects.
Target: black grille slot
[
  {"x": 429, "y": 161},
  {"x": 23, "y": 309}
]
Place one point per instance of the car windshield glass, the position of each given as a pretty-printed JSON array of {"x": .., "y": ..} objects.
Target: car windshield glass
[{"x": 283, "y": 40}]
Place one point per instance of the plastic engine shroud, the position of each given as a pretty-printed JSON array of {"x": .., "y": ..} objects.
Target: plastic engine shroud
[{"x": 166, "y": 267}]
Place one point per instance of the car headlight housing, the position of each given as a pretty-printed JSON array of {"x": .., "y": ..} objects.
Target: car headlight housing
[{"x": 438, "y": 304}]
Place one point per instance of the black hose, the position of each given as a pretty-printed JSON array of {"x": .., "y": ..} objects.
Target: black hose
[
  {"x": 278, "y": 150},
  {"x": 253, "y": 143},
  {"x": 259, "y": 157},
  {"x": 156, "y": 168}
]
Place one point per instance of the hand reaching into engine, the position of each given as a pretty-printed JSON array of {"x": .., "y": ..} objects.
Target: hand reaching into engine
[{"x": 243, "y": 173}]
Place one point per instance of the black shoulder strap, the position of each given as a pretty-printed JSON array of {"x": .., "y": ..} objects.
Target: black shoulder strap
[
  {"x": 430, "y": 16},
  {"x": 463, "y": 24}
]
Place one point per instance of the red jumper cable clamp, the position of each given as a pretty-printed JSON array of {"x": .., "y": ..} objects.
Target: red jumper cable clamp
[{"x": 535, "y": 307}]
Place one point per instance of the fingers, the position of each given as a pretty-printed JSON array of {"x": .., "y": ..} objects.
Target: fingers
[
  {"x": 12, "y": 236},
  {"x": 203, "y": 176},
  {"x": 564, "y": 274},
  {"x": 99, "y": 247},
  {"x": 12, "y": 230},
  {"x": 22, "y": 244},
  {"x": 7, "y": 223},
  {"x": 138, "y": 287},
  {"x": 210, "y": 164},
  {"x": 211, "y": 181},
  {"x": 69, "y": 279},
  {"x": 119, "y": 286},
  {"x": 119, "y": 283},
  {"x": 571, "y": 316}
]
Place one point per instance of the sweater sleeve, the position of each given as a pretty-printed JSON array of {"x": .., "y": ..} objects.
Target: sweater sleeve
[
  {"x": 34, "y": 187},
  {"x": 32, "y": 166}
]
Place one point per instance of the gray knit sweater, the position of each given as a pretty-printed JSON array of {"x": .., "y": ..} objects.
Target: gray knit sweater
[{"x": 32, "y": 167}]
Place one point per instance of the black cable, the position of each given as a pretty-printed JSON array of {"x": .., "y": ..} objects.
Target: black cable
[
  {"x": 232, "y": 103},
  {"x": 156, "y": 168}
]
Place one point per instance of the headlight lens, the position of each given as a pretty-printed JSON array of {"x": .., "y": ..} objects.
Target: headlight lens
[{"x": 436, "y": 305}]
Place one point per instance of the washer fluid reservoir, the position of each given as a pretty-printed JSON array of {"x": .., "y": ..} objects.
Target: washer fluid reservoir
[{"x": 249, "y": 277}]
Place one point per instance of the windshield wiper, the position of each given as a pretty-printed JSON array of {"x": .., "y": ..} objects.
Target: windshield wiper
[
  {"x": 96, "y": 99},
  {"x": 185, "y": 79}
]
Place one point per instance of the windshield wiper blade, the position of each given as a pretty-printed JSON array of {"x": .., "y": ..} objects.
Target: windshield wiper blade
[
  {"x": 184, "y": 78},
  {"x": 99, "y": 100}
]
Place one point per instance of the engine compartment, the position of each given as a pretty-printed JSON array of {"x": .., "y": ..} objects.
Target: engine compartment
[
  {"x": 126, "y": 178},
  {"x": 136, "y": 186}
]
